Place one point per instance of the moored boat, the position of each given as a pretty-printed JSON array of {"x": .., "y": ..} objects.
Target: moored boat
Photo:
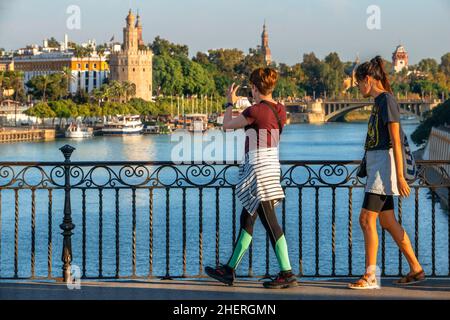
[
  {"x": 123, "y": 125},
  {"x": 196, "y": 122},
  {"x": 78, "y": 131}
]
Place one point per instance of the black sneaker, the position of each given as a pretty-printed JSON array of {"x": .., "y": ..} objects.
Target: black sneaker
[
  {"x": 284, "y": 279},
  {"x": 223, "y": 273}
]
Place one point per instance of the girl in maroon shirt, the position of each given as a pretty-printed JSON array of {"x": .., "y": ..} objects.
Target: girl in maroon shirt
[{"x": 259, "y": 188}]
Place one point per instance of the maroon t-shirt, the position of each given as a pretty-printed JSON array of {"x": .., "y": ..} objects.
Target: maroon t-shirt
[{"x": 262, "y": 121}]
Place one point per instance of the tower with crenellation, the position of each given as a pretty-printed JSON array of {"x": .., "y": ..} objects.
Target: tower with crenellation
[{"x": 133, "y": 63}]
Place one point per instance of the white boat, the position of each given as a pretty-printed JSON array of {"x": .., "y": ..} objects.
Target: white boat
[
  {"x": 155, "y": 128},
  {"x": 123, "y": 125},
  {"x": 234, "y": 114},
  {"x": 78, "y": 131},
  {"x": 151, "y": 128},
  {"x": 196, "y": 122}
]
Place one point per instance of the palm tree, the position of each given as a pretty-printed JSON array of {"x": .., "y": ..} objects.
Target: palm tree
[
  {"x": 129, "y": 89},
  {"x": 82, "y": 52},
  {"x": 12, "y": 80},
  {"x": 45, "y": 81},
  {"x": 2, "y": 77},
  {"x": 17, "y": 83},
  {"x": 107, "y": 92},
  {"x": 89, "y": 51},
  {"x": 116, "y": 90},
  {"x": 98, "y": 95},
  {"x": 69, "y": 77}
]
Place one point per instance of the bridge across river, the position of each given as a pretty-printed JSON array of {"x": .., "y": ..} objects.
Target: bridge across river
[{"x": 332, "y": 110}]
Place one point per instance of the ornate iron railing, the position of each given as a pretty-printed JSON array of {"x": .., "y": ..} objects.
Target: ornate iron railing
[{"x": 180, "y": 210}]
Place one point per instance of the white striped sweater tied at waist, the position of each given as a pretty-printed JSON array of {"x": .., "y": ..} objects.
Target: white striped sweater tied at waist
[{"x": 259, "y": 178}]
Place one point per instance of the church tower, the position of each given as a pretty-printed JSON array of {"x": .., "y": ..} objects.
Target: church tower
[
  {"x": 131, "y": 63},
  {"x": 399, "y": 58},
  {"x": 265, "y": 45}
]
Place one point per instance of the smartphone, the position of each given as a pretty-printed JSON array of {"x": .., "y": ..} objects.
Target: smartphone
[{"x": 244, "y": 91}]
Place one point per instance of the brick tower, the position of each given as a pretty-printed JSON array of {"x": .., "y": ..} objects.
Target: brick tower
[
  {"x": 131, "y": 63},
  {"x": 139, "y": 30}
]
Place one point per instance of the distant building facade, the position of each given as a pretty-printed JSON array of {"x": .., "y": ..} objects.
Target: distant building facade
[
  {"x": 399, "y": 59},
  {"x": 87, "y": 73},
  {"x": 6, "y": 64},
  {"x": 133, "y": 63}
]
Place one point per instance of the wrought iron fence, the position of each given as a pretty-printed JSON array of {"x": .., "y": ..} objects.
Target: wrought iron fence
[{"x": 321, "y": 227}]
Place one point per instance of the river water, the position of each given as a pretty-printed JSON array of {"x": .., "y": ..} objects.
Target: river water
[{"x": 331, "y": 141}]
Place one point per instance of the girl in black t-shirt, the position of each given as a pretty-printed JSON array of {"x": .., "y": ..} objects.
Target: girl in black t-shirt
[{"x": 385, "y": 179}]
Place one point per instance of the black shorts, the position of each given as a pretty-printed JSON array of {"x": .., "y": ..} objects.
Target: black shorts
[{"x": 378, "y": 202}]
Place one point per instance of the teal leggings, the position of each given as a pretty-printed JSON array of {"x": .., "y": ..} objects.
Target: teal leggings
[{"x": 267, "y": 214}]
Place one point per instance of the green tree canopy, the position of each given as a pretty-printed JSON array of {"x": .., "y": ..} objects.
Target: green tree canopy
[
  {"x": 162, "y": 46},
  {"x": 439, "y": 116},
  {"x": 167, "y": 75},
  {"x": 428, "y": 65},
  {"x": 53, "y": 43},
  {"x": 41, "y": 110},
  {"x": 48, "y": 86},
  {"x": 311, "y": 65},
  {"x": 226, "y": 60},
  {"x": 196, "y": 79},
  {"x": 445, "y": 64},
  {"x": 12, "y": 80}
]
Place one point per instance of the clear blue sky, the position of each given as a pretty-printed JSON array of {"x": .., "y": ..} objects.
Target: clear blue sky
[{"x": 295, "y": 26}]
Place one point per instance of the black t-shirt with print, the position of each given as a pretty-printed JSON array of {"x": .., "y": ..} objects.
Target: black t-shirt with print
[{"x": 385, "y": 110}]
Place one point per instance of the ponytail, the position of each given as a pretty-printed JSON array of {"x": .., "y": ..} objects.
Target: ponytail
[
  {"x": 379, "y": 66},
  {"x": 375, "y": 69}
]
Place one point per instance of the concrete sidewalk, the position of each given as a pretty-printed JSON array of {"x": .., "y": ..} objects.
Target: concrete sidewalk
[{"x": 205, "y": 289}]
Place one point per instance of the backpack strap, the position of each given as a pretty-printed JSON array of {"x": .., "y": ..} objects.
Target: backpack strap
[{"x": 275, "y": 114}]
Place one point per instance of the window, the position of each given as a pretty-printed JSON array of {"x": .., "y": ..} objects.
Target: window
[
  {"x": 95, "y": 66},
  {"x": 87, "y": 65}
]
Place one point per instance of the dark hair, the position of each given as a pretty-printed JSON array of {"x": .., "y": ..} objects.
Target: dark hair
[
  {"x": 264, "y": 79},
  {"x": 375, "y": 69}
]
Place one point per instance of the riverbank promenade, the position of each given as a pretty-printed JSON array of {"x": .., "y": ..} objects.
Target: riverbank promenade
[{"x": 205, "y": 289}]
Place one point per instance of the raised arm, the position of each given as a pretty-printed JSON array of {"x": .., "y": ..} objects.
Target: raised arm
[{"x": 228, "y": 121}]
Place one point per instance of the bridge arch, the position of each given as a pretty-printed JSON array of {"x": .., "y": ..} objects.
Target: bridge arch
[{"x": 335, "y": 111}]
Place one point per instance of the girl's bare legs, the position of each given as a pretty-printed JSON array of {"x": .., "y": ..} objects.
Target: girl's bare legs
[
  {"x": 368, "y": 222},
  {"x": 390, "y": 223}
]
